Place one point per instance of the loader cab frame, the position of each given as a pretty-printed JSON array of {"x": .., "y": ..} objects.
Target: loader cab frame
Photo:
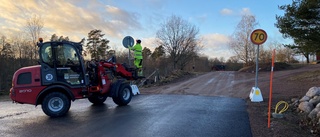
[{"x": 62, "y": 63}]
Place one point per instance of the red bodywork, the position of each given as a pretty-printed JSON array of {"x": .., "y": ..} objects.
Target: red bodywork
[
  {"x": 26, "y": 93},
  {"x": 104, "y": 81},
  {"x": 64, "y": 76},
  {"x": 29, "y": 93}
]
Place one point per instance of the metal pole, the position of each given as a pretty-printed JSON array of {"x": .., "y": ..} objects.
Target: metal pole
[
  {"x": 257, "y": 67},
  {"x": 129, "y": 57}
]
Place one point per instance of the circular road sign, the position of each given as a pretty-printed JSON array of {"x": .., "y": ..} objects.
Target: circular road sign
[
  {"x": 127, "y": 41},
  {"x": 258, "y": 36}
]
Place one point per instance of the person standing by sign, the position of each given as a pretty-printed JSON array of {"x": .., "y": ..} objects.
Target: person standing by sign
[{"x": 138, "y": 56}]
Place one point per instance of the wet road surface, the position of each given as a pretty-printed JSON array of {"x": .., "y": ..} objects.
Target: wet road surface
[{"x": 145, "y": 116}]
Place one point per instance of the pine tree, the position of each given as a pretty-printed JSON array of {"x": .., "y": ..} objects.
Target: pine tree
[
  {"x": 97, "y": 45},
  {"x": 301, "y": 23}
]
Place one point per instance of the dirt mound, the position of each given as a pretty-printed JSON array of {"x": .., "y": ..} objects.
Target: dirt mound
[
  {"x": 267, "y": 67},
  {"x": 175, "y": 76}
]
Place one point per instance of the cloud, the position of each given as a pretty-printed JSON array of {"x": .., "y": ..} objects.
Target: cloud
[
  {"x": 202, "y": 18},
  {"x": 124, "y": 17},
  {"x": 149, "y": 43},
  {"x": 68, "y": 18},
  {"x": 216, "y": 45},
  {"x": 155, "y": 5},
  {"x": 215, "y": 40},
  {"x": 226, "y": 11},
  {"x": 245, "y": 11}
]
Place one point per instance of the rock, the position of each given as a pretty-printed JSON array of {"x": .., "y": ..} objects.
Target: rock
[
  {"x": 305, "y": 107},
  {"x": 318, "y": 115},
  {"x": 314, "y": 113},
  {"x": 304, "y": 99},
  {"x": 294, "y": 100},
  {"x": 318, "y": 105},
  {"x": 294, "y": 105},
  {"x": 313, "y": 91},
  {"x": 315, "y": 100}
]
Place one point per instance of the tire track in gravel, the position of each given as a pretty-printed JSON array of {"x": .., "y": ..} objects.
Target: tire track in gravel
[{"x": 218, "y": 83}]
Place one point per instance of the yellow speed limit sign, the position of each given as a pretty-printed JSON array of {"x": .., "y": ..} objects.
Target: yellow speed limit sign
[{"x": 258, "y": 36}]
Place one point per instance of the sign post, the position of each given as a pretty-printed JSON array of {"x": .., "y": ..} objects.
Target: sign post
[
  {"x": 257, "y": 37},
  {"x": 128, "y": 42}
]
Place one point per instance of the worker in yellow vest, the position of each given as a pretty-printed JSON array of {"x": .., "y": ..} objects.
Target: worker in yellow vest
[{"x": 138, "y": 56}]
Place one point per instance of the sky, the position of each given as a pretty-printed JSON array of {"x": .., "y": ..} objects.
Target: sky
[{"x": 141, "y": 19}]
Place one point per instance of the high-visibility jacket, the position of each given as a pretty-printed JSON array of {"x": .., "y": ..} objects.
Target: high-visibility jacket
[{"x": 137, "y": 51}]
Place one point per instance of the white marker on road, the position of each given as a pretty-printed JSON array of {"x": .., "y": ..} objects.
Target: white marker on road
[{"x": 209, "y": 81}]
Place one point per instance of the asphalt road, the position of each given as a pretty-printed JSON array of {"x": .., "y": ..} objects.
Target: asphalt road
[{"x": 145, "y": 116}]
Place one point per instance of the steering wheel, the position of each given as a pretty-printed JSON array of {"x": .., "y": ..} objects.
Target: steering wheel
[{"x": 69, "y": 62}]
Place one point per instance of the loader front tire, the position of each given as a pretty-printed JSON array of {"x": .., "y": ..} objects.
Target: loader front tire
[{"x": 124, "y": 95}]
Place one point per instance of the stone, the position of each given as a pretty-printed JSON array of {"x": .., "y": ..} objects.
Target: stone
[
  {"x": 315, "y": 100},
  {"x": 304, "y": 98},
  {"x": 294, "y": 105},
  {"x": 314, "y": 113},
  {"x": 305, "y": 107},
  {"x": 294, "y": 100},
  {"x": 318, "y": 115},
  {"x": 313, "y": 91}
]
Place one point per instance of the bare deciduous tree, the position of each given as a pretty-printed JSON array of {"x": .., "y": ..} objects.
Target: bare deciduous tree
[
  {"x": 240, "y": 40},
  {"x": 34, "y": 27},
  {"x": 265, "y": 55},
  {"x": 179, "y": 40},
  {"x": 285, "y": 54},
  {"x": 18, "y": 47}
]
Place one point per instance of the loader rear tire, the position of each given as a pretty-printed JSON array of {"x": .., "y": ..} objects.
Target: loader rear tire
[{"x": 124, "y": 95}]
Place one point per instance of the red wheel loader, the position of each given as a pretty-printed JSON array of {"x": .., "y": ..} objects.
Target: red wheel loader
[{"x": 63, "y": 76}]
